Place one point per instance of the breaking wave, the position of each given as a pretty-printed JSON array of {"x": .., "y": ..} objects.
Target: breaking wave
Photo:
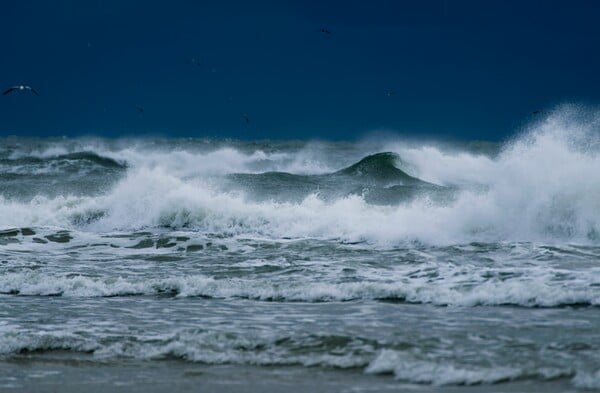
[
  {"x": 308, "y": 350},
  {"x": 543, "y": 186},
  {"x": 542, "y": 290}
]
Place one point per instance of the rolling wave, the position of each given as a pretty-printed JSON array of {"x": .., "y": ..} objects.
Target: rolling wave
[
  {"x": 543, "y": 186},
  {"x": 401, "y": 359},
  {"x": 537, "y": 290},
  {"x": 75, "y": 159}
]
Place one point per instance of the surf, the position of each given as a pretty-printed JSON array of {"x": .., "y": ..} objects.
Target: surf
[{"x": 542, "y": 186}]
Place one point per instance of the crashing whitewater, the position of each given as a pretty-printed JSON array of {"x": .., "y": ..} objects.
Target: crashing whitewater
[{"x": 541, "y": 186}]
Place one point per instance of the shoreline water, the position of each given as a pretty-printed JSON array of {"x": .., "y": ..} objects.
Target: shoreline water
[{"x": 52, "y": 373}]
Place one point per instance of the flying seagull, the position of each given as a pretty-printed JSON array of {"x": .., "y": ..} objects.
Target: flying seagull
[
  {"x": 139, "y": 108},
  {"x": 246, "y": 118},
  {"x": 390, "y": 93},
  {"x": 537, "y": 112},
  {"x": 325, "y": 31},
  {"x": 21, "y": 88}
]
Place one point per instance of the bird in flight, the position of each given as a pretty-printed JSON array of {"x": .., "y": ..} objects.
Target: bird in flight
[
  {"x": 390, "y": 93},
  {"x": 537, "y": 112},
  {"x": 21, "y": 88},
  {"x": 325, "y": 31},
  {"x": 139, "y": 108},
  {"x": 246, "y": 118}
]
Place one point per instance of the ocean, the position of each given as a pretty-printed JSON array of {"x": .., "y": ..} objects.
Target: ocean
[{"x": 374, "y": 265}]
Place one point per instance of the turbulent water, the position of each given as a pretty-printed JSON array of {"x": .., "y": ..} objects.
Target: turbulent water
[{"x": 429, "y": 263}]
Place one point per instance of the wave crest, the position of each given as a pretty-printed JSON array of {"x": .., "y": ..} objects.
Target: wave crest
[
  {"x": 543, "y": 186},
  {"x": 532, "y": 292}
]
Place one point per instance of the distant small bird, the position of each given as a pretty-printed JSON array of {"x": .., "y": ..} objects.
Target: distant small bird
[
  {"x": 21, "y": 88},
  {"x": 325, "y": 31},
  {"x": 139, "y": 108},
  {"x": 246, "y": 118},
  {"x": 390, "y": 93},
  {"x": 537, "y": 112}
]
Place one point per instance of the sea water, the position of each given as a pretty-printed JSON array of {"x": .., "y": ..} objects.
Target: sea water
[{"x": 400, "y": 261}]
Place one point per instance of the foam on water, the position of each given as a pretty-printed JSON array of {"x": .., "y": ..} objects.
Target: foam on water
[
  {"x": 587, "y": 380},
  {"x": 542, "y": 187},
  {"x": 188, "y": 159},
  {"x": 535, "y": 290},
  {"x": 406, "y": 367},
  {"x": 259, "y": 348}
]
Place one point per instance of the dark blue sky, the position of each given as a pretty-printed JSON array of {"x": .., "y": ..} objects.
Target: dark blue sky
[{"x": 460, "y": 69}]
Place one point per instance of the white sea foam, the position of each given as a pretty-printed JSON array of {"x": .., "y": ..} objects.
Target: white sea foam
[
  {"x": 195, "y": 345},
  {"x": 18, "y": 341},
  {"x": 531, "y": 292},
  {"x": 191, "y": 160},
  {"x": 587, "y": 380},
  {"x": 406, "y": 367},
  {"x": 266, "y": 349},
  {"x": 544, "y": 186}
]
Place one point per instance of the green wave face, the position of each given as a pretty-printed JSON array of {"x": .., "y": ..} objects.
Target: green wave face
[
  {"x": 380, "y": 167},
  {"x": 374, "y": 177}
]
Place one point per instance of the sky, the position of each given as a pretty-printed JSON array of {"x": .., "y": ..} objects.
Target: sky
[{"x": 436, "y": 69}]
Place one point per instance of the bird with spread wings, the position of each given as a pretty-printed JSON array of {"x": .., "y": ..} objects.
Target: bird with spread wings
[{"x": 21, "y": 88}]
